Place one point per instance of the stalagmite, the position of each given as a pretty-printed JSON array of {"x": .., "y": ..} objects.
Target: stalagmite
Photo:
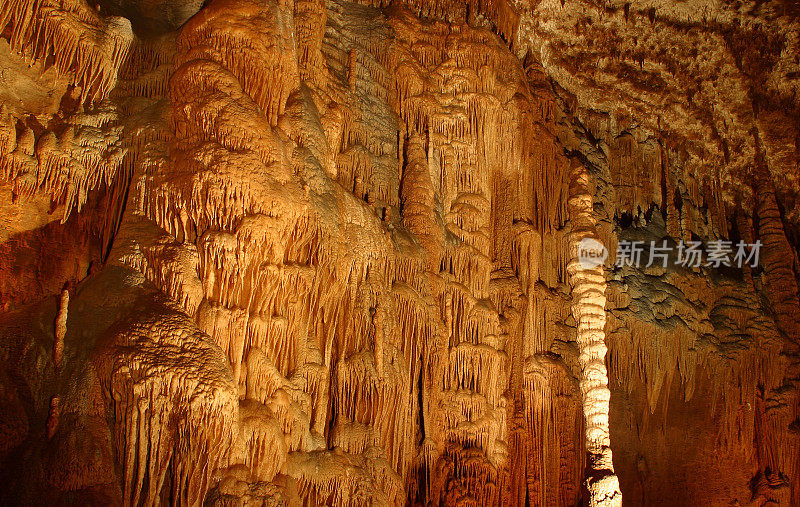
[
  {"x": 588, "y": 308},
  {"x": 52, "y": 416}
]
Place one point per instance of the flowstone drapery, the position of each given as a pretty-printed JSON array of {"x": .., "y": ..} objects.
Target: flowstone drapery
[{"x": 329, "y": 252}]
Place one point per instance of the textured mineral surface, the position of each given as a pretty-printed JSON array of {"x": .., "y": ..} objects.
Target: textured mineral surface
[{"x": 399, "y": 252}]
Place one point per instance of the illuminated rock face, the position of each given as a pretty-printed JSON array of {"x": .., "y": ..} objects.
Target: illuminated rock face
[{"x": 330, "y": 253}]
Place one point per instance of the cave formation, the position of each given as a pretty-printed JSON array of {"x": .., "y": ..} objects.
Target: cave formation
[{"x": 324, "y": 252}]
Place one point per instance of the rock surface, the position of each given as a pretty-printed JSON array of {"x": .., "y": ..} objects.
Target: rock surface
[{"x": 269, "y": 252}]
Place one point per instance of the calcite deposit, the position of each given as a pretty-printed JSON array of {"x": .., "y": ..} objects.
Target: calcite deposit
[{"x": 325, "y": 252}]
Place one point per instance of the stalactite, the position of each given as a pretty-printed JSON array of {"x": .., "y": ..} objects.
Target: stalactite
[
  {"x": 168, "y": 421},
  {"x": 261, "y": 446},
  {"x": 363, "y": 481},
  {"x": 554, "y": 430},
  {"x": 782, "y": 292},
  {"x": 777, "y": 259},
  {"x": 60, "y": 328},
  {"x": 268, "y": 78},
  {"x": 83, "y": 157},
  {"x": 84, "y": 44}
]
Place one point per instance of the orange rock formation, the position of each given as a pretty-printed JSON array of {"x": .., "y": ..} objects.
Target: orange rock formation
[{"x": 323, "y": 252}]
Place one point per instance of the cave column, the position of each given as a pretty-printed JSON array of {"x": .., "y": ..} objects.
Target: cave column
[{"x": 588, "y": 308}]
